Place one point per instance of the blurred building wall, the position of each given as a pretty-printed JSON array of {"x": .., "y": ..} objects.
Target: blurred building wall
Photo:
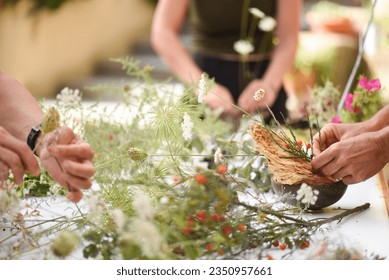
[{"x": 48, "y": 49}]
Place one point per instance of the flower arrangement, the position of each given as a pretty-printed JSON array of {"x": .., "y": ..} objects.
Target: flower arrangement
[{"x": 173, "y": 181}]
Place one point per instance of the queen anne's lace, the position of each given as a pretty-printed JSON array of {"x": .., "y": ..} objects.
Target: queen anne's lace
[
  {"x": 187, "y": 126},
  {"x": 69, "y": 97},
  {"x": 307, "y": 195}
]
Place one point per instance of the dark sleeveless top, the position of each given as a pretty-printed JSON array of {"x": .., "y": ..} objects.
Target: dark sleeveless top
[{"x": 216, "y": 24}]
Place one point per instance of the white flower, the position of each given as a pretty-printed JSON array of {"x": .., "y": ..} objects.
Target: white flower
[
  {"x": 147, "y": 237},
  {"x": 218, "y": 156},
  {"x": 259, "y": 94},
  {"x": 307, "y": 151},
  {"x": 267, "y": 24},
  {"x": 69, "y": 97},
  {"x": 256, "y": 12},
  {"x": 142, "y": 206},
  {"x": 202, "y": 88},
  {"x": 187, "y": 126},
  {"x": 119, "y": 218},
  {"x": 243, "y": 47},
  {"x": 164, "y": 200},
  {"x": 306, "y": 195}
]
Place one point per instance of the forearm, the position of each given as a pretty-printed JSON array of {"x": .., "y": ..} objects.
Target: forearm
[
  {"x": 176, "y": 56},
  {"x": 379, "y": 121},
  {"x": 383, "y": 143},
  {"x": 19, "y": 110},
  {"x": 283, "y": 57}
]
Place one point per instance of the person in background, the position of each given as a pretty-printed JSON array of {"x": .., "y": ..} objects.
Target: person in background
[
  {"x": 67, "y": 159},
  {"x": 353, "y": 152},
  {"x": 217, "y": 25}
]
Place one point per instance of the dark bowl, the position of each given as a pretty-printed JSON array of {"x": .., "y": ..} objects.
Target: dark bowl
[{"x": 328, "y": 194}]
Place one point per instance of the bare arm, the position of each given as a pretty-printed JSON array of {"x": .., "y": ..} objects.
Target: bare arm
[
  {"x": 168, "y": 19},
  {"x": 19, "y": 109}
]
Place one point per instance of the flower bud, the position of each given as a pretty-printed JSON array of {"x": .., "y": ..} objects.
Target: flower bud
[
  {"x": 136, "y": 154},
  {"x": 51, "y": 120},
  {"x": 65, "y": 244}
]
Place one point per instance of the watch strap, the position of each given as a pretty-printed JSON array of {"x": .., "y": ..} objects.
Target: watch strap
[{"x": 33, "y": 136}]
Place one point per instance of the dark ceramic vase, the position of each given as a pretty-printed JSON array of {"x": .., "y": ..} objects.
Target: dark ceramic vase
[{"x": 328, "y": 194}]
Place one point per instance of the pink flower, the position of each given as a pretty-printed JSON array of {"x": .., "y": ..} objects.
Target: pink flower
[
  {"x": 349, "y": 102},
  {"x": 336, "y": 119},
  {"x": 370, "y": 85}
]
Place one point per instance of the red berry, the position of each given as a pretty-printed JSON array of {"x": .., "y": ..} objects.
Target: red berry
[
  {"x": 221, "y": 169},
  {"x": 269, "y": 257},
  {"x": 308, "y": 145},
  {"x": 304, "y": 245},
  {"x": 241, "y": 227},
  {"x": 190, "y": 221},
  {"x": 209, "y": 247},
  {"x": 299, "y": 142},
  {"x": 215, "y": 217},
  {"x": 276, "y": 243},
  {"x": 222, "y": 218},
  {"x": 110, "y": 137},
  {"x": 220, "y": 252},
  {"x": 226, "y": 230},
  {"x": 201, "y": 215},
  {"x": 187, "y": 230},
  {"x": 201, "y": 179},
  {"x": 283, "y": 246}
]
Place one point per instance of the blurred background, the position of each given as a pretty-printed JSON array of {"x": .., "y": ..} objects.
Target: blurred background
[{"x": 50, "y": 44}]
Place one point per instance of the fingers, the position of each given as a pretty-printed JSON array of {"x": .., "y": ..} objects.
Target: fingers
[
  {"x": 75, "y": 196},
  {"x": 78, "y": 151},
  {"x": 12, "y": 160},
  {"x": 4, "y": 172},
  {"x": 18, "y": 156}
]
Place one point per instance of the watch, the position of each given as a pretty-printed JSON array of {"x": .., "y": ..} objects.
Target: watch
[{"x": 33, "y": 136}]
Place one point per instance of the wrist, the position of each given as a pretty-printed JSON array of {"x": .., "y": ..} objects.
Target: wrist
[
  {"x": 382, "y": 141},
  {"x": 32, "y": 138}
]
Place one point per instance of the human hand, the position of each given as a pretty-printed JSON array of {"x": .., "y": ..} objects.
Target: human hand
[
  {"x": 332, "y": 133},
  {"x": 17, "y": 157},
  {"x": 68, "y": 160},
  {"x": 221, "y": 97},
  {"x": 353, "y": 159},
  {"x": 246, "y": 100}
]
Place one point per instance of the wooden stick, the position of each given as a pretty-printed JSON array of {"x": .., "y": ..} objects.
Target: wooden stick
[{"x": 384, "y": 188}]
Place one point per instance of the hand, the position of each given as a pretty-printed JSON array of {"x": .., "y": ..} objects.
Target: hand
[
  {"x": 68, "y": 160},
  {"x": 332, "y": 133},
  {"x": 353, "y": 159},
  {"x": 221, "y": 97},
  {"x": 16, "y": 156},
  {"x": 246, "y": 100}
]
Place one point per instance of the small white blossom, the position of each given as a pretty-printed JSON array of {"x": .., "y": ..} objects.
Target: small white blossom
[
  {"x": 164, "y": 200},
  {"x": 259, "y": 94},
  {"x": 119, "y": 218},
  {"x": 69, "y": 97},
  {"x": 306, "y": 195},
  {"x": 243, "y": 47},
  {"x": 218, "y": 156},
  {"x": 202, "y": 88},
  {"x": 307, "y": 151},
  {"x": 267, "y": 24},
  {"x": 187, "y": 126},
  {"x": 142, "y": 206},
  {"x": 147, "y": 237},
  {"x": 256, "y": 12}
]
